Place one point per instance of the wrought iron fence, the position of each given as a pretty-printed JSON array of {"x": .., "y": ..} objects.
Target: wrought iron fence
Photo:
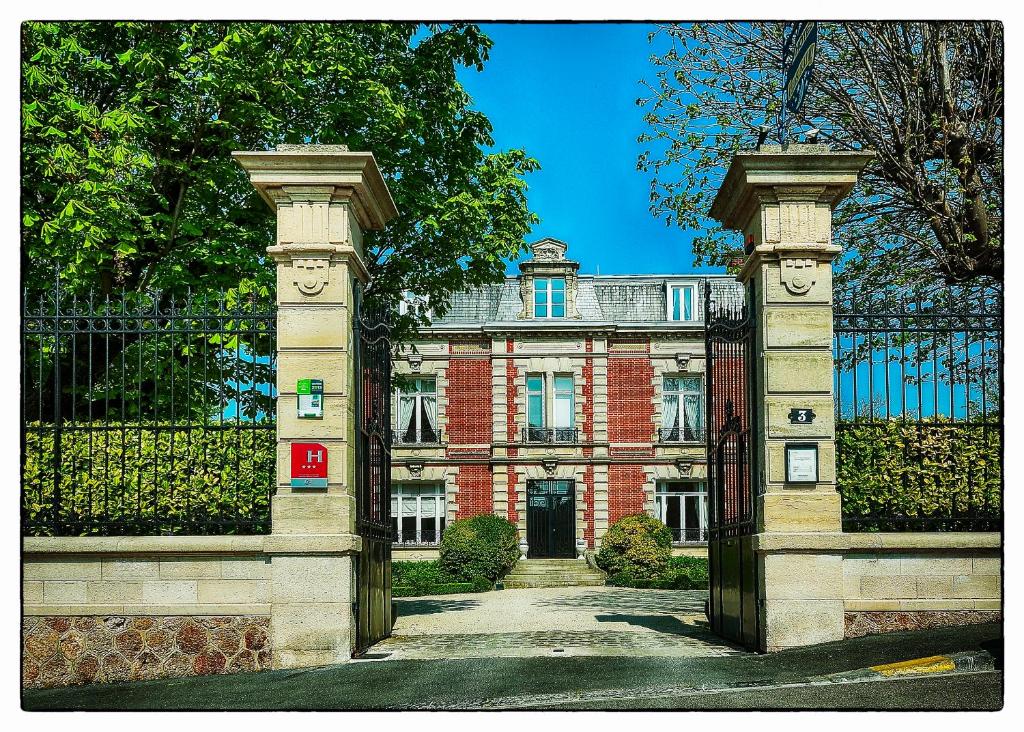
[
  {"x": 147, "y": 414},
  {"x": 919, "y": 417}
]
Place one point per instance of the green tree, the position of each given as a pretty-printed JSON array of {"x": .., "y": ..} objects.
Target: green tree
[
  {"x": 127, "y": 180},
  {"x": 928, "y": 97}
]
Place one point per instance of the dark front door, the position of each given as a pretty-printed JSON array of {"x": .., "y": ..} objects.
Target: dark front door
[{"x": 550, "y": 510}]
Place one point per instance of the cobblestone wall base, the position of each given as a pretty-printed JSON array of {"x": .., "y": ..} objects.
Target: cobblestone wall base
[
  {"x": 870, "y": 622},
  {"x": 73, "y": 650}
]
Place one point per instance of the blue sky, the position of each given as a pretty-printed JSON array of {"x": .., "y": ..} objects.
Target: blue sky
[{"x": 566, "y": 93}]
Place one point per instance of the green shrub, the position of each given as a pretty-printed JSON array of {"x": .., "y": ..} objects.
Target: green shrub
[
  {"x": 150, "y": 480},
  {"x": 449, "y": 588},
  {"x": 935, "y": 470},
  {"x": 416, "y": 578},
  {"x": 637, "y": 546},
  {"x": 679, "y": 573},
  {"x": 482, "y": 546}
]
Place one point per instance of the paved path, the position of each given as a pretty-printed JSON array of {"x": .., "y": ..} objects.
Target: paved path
[{"x": 562, "y": 621}]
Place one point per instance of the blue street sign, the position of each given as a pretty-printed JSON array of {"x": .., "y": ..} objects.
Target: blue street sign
[{"x": 801, "y": 44}]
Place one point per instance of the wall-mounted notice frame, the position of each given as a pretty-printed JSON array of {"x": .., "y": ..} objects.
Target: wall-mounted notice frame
[{"x": 801, "y": 462}]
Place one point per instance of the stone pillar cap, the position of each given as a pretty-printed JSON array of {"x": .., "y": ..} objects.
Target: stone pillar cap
[
  {"x": 322, "y": 166},
  {"x": 773, "y": 166}
]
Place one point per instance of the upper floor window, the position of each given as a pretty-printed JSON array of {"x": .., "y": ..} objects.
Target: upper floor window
[
  {"x": 682, "y": 302},
  {"x": 417, "y": 513},
  {"x": 682, "y": 417},
  {"x": 550, "y": 400},
  {"x": 417, "y": 412},
  {"x": 549, "y": 297},
  {"x": 683, "y": 508}
]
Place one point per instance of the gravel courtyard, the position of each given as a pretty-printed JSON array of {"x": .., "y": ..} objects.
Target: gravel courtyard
[{"x": 563, "y": 621}]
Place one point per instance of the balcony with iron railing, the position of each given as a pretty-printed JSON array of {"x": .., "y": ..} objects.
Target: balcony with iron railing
[
  {"x": 551, "y": 435},
  {"x": 415, "y": 437},
  {"x": 668, "y": 435},
  {"x": 424, "y": 537},
  {"x": 689, "y": 536}
]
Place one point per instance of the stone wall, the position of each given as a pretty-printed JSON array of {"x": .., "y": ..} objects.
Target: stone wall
[
  {"x": 132, "y": 575},
  {"x": 101, "y": 609},
  {"x": 895, "y": 581},
  {"x": 908, "y": 590}
]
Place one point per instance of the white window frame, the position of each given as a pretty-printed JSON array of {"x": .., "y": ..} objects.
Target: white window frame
[
  {"x": 681, "y": 395},
  {"x": 548, "y": 304},
  {"x": 417, "y": 409},
  {"x": 696, "y": 488},
  {"x": 543, "y": 399},
  {"x": 549, "y": 395},
  {"x": 404, "y": 491},
  {"x": 695, "y": 302}
]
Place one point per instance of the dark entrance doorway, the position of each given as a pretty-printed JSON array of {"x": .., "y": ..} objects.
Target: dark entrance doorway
[
  {"x": 550, "y": 519},
  {"x": 732, "y": 521},
  {"x": 373, "y": 477}
]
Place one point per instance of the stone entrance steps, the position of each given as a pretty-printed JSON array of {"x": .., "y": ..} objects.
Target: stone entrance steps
[{"x": 553, "y": 573}]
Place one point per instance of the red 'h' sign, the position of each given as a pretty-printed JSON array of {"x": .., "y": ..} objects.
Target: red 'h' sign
[{"x": 309, "y": 465}]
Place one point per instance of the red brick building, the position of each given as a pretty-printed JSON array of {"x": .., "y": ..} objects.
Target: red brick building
[{"x": 560, "y": 400}]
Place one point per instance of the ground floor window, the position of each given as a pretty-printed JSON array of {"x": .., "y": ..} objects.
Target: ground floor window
[
  {"x": 683, "y": 508},
  {"x": 417, "y": 513}
]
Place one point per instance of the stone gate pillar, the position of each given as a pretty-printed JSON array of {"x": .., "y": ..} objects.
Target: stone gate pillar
[
  {"x": 324, "y": 197},
  {"x": 782, "y": 199}
]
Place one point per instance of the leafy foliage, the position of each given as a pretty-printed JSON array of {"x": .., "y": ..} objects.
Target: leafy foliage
[
  {"x": 929, "y": 476},
  {"x": 928, "y": 97},
  {"x": 417, "y": 578},
  {"x": 638, "y": 546},
  {"x": 148, "y": 479},
  {"x": 680, "y": 573},
  {"x": 480, "y": 546},
  {"x": 127, "y": 128}
]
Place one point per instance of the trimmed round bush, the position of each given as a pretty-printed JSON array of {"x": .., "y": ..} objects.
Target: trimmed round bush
[
  {"x": 637, "y": 546},
  {"x": 482, "y": 546}
]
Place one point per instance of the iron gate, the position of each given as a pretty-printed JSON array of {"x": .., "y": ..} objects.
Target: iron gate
[
  {"x": 373, "y": 612},
  {"x": 729, "y": 343}
]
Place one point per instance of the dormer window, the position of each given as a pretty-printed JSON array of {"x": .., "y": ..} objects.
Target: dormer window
[
  {"x": 549, "y": 297},
  {"x": 682, "y": 302},
  {"x": 415, "y": 304}
]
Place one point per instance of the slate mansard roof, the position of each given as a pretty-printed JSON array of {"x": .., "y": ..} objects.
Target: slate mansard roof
[{"x": 631, "y": 300}]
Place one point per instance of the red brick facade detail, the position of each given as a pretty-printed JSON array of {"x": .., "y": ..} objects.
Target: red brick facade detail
[
  {"x": 630, "y": 399},
  {"x": 475, "y": 494},
  {"x": 511, "y": 392},
  {"x": 513, "y": 496},
  {"x": 588, "y": 510},
  {"x": 625, "y": 491},
  {"x": 469, "y": 401}
]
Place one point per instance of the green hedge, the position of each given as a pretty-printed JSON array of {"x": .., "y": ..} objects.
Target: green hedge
[
  {"x": 891, "y": 474},
  {"x": 416, "y": 578},
  {"x": 481, "y": 546},
  {"x": 149, "y": 480},
  {"x": 679, "y": 573},
  {"x": 636, "y": 546}
]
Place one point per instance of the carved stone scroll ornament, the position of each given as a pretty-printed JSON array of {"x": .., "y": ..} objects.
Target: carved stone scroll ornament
[
  {"x": 798, "y": 275},
  {"x": 310, "y": 275}
]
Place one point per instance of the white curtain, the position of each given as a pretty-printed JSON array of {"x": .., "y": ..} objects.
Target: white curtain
[
  {"x": 692, "y": 413},
  {"x": 671, "y": 419},
  {"x": 405, "y": 416},
  {"x": 430, "y": 408}
]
